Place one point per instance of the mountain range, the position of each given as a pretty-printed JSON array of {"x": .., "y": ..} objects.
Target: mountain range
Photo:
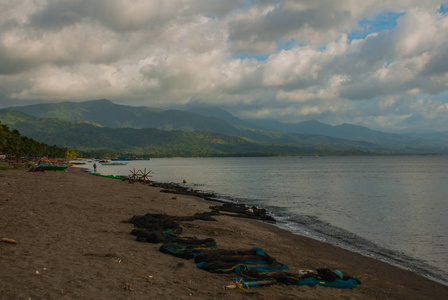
[{"x": 100, "y": 125}]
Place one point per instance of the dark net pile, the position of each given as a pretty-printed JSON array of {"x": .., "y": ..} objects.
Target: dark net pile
[{"x": 253, "y": 267}]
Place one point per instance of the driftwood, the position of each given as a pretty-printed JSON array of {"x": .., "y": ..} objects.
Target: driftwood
[
  {"x": 139, "y": 175},
  {"x": 235, "y": 209},
  {"x": 237, "y": 285},
  {"x": 173, "y": 188},
  {"x": 241, "y": 210},
  {"x": 10, "y": 241}
]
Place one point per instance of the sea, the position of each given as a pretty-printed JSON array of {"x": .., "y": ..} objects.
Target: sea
[{"x": 391, "y": 208}]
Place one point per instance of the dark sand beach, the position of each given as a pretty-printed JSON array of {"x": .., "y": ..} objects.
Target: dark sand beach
[{"x": 72, "y": 244}]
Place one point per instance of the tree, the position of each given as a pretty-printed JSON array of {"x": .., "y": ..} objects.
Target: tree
[{"x": 14, "y": 144}]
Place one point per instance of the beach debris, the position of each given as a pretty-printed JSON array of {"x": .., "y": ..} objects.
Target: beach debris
[
  {"x": 252, "y": 278},
  {"x": 338, "y": 274},
  {"x": 9, "y": 241},
  {"x": 241, "y": 210},
  {"x": 127, "y": 287},
  {"x": 163, "y": 222},
  {"x": 158, "y": 222},
  {"x": 37, "y": 272},
  {"x": 240, "y": 284},
  {"x": 36, "y": 168},
  {"x": 175, "y": 188},
  {"x": 305, "y": 273}
]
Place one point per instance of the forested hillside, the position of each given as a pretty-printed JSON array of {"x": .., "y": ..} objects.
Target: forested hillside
[
  {"x": 108, "y": 114},
  {"x": 12, "y": 143},
  {"x": 91, "y": 138},
  {"x": 99, "y": 127}
]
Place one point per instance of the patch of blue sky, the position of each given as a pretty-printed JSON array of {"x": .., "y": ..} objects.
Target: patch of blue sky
[
  {"x": 388, "y": 62},
  {"x": 288, "y": 45},
  {"x": 443, "y": 8},
  {"x": 210, "y": 16},
  {"x": 245, "y": 55},
  {"x": 443, "y": 96},
  {"x": 383, "y": 21}
]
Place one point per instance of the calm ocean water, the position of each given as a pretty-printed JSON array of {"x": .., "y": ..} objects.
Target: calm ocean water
[{"x": 393, "y": 208}]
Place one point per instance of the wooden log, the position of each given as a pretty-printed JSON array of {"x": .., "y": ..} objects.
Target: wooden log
[{"x": 10, "y": 241}]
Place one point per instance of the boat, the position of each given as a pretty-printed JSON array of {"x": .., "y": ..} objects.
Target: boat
[
  {"x": 77, "y": 162},
  {"x": 128, "y": 158},
  {"x": 113, "y": 163},
  {"x": 50, "y": 167},
  {"x": 72, "y": 163}
]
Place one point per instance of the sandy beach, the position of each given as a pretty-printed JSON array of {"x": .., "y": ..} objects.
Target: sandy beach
[{"x": 72, "y": 243}]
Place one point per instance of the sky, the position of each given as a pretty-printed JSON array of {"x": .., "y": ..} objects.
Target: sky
[{"x": 380, "y": 64}]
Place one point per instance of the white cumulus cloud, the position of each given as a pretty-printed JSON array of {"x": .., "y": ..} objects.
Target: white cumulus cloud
[{"x": 289, "y": 60}]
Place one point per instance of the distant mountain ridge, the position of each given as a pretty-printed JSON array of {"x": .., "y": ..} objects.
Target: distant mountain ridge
[
  {"x": 104, "y": 113},
  {"x": 86, "y": 137},
  {"x": 107, "y": 114},
  {"x": 344, "y": 131}
]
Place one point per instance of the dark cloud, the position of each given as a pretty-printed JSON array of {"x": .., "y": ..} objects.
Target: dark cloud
[
  {"x": 10, "y": 66},
  {"x": 218, "y": 8},
  {"x": 58, "y": 14},
  {"x": 438, "y": 64},
  {"x": 280, "y": 25}
]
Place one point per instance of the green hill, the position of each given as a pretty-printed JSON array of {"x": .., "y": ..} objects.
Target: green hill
[
  {"x": 108, "y": 114},
  {"x": 12, "y": 143},
  {"x": 100, "y": 125},
  {"x": 83, "y": 136}
]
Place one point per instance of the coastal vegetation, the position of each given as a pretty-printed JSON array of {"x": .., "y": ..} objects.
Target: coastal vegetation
[{"x": 12, "y": 143}]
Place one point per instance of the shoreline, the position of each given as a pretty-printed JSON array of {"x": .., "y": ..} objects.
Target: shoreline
[
  {"x": 394, "y": 258},
  {"x": 69, "y": 228},
  {"x": 385, "y": 255}
]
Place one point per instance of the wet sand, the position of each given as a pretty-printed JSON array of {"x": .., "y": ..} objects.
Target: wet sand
[{"x": 72, "y": 243}]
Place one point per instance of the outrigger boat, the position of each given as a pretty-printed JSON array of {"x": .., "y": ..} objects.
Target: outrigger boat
[
  {"x": 54, "y": 167},
  {"x": 113, "y": 163},
  {"x": 50, "y": 166},
  {"x": 128, "y": 159}
]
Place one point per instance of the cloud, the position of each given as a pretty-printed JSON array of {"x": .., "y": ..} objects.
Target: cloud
[{"x": 289, "y": 60}]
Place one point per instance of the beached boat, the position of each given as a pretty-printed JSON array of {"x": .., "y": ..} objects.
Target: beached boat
[
  {"x": 77, "y": 162},
  {"x": 122, "y": 159},
  {"x": 114, "y": 163},
  {"x": 50, "y": 167},
  {"x": 128, "y": 158}
]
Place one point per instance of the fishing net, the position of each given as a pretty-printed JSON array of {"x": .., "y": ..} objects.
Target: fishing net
[
  {"x": 230, "y": 261},
  {"x": 254, "y": 267},
  {"x": 156, "y": 222}
]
